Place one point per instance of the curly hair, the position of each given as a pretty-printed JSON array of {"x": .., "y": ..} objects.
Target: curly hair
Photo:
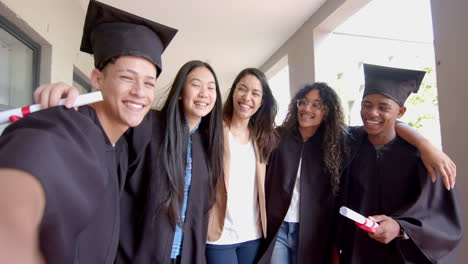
[{"x": 333, "y": 145}]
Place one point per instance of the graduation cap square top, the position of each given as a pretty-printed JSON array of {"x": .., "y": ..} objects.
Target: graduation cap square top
[
  {"x": 110, "y": 32},
  {"x": 395, "y": 83}
]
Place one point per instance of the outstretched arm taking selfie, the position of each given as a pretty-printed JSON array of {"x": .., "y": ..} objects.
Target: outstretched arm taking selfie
[{"x": 22, "y": 203}]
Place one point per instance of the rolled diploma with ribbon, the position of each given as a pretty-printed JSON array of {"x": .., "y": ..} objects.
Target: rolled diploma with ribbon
[
  {"x": 17, "y": 113},
  {"x": 361, "y": 221}
]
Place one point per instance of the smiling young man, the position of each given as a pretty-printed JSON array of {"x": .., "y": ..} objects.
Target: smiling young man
[
  {"x": 419, "y": 222},
  {"x": 61, "y": 170}
]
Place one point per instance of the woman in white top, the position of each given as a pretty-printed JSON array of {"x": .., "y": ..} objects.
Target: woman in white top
[{"x": 238, "y": 219}]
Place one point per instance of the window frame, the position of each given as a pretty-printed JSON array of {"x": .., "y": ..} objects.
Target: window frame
[
  {"x": 21, "y": 36},
  {"x": 81, "y": 81}
]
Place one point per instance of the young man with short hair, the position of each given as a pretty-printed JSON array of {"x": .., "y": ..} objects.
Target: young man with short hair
[
  {"x": 419, "y": 222},
  {"x": 61, "y": 170}
]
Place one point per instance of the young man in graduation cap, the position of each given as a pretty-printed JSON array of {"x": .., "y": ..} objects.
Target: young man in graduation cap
[
  {"x": 60, "y": 169},
  {"x": 419, "y": 222}
]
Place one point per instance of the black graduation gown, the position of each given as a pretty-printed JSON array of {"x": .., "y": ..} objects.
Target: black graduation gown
[
  {"x": 394, "y": 182},
  {"x": 71, "y": 157},
  {"x": 148, "y": 238},
  {"x": 317, "y": 202}
]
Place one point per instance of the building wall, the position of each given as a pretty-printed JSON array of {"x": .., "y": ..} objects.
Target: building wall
[
  {"x": 301, "y": 48},
  {"x": 57, "y": 25},
  {"x": 450, "y": 42}
]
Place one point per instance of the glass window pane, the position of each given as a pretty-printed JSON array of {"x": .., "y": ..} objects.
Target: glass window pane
[{"x": 16, "y": 71}]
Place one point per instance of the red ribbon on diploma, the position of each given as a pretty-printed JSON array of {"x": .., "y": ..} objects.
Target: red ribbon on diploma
[
  {"x": 14, "y": 118},
  {"x": 368, "y": 226},
  {"x": 24, "y": 111}
]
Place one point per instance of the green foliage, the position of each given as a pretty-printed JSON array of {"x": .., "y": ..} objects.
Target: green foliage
[{"x": 423, "y": 106}]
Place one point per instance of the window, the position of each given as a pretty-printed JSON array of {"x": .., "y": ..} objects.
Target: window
[
  {"x": 19, "y": 66},
  {"x": 80, "y": 81}
]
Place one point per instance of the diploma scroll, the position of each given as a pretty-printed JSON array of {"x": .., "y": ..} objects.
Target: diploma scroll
[
  {"x": 17, "y": 113},
  {"x": 361, "y": 221}
]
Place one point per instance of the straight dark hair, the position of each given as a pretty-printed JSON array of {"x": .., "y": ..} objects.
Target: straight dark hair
[
  {"x": 333, "y": 145},
  {"x": 262, "y": 123},
  {"x": 174, "y": 144}
]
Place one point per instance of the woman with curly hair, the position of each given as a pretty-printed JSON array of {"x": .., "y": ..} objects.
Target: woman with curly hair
[{"x": 303, "y": 176}]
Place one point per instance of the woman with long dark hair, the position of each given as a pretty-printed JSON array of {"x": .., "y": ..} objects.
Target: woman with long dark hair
[
  {"x": 172, "y": 184},
  {"x": 238, "y": 218}
]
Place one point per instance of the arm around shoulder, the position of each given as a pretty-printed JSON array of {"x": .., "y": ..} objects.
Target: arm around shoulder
[
  {"x": 433, "y": 158},
  {"x": 22, "y": 205}
]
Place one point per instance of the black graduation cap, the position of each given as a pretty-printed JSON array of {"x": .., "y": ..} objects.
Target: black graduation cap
[
  {"x": 110, "y": 32},
  {"x": 395, "y": 83}
]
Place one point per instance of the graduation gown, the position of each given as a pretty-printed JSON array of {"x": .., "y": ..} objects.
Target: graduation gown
[
  {"x": 393, "y": 181},
  {"x": 317, "y": 202},
  {"x": 69, "y": 154},
  {"x": 148, "y": 238}
]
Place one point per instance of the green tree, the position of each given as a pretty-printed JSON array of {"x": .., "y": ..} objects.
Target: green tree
[{"x": 422, "y": 107}]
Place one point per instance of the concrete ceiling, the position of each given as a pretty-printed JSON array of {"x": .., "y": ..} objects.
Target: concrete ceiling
[{"x": 230, "y": 35}]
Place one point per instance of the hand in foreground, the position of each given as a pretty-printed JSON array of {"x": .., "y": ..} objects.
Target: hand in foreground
[{"x": 48, "y": 95}]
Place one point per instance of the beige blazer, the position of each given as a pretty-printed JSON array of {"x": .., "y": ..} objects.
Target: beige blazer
[{"x": 218, "y": 211}]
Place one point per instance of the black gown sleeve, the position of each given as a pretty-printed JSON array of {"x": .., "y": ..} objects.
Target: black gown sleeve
[
  {"x": 433, "y": 222},
  {"x": 63, "y": 150},
  {"x": 135, "y": 188}
]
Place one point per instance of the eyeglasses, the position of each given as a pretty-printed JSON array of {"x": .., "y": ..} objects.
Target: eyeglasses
[{"x": 303, "y": 103}]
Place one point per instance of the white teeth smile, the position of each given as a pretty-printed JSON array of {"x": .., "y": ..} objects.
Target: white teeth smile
[
  {"x": 373, "y": 122},
  {"x": 132, "y": 105},
  {"x": 307, "y": 116},
  {"x": 201, "y": 104},
  {"x": 246, "y": 107}
]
